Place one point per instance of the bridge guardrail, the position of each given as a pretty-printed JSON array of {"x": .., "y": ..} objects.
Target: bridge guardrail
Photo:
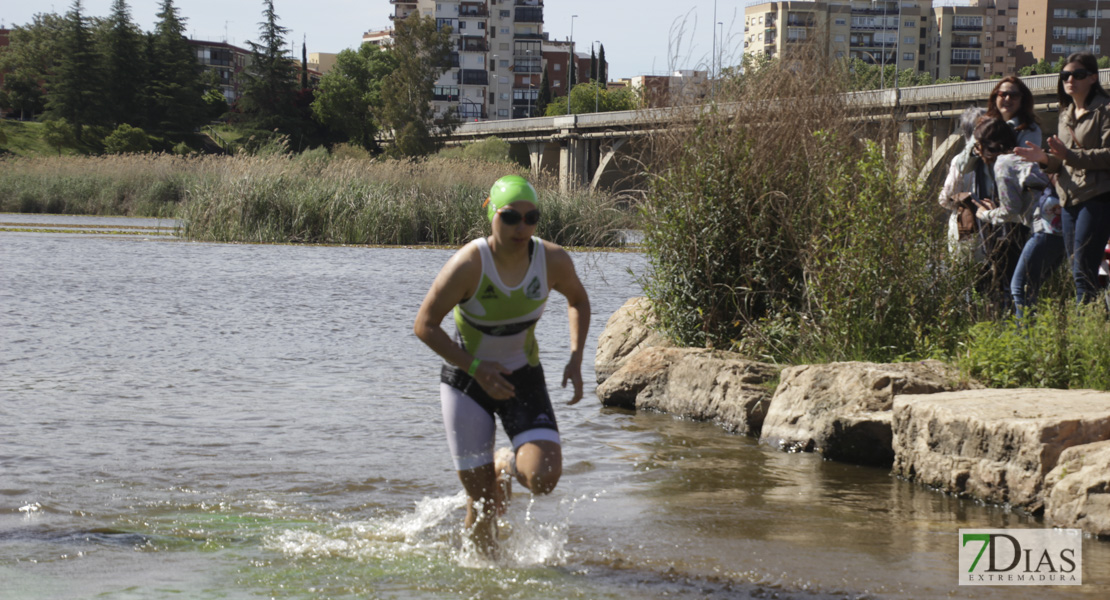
[{"x": 964, "y": 91}]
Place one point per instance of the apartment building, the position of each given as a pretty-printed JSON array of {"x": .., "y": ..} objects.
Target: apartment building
[
  {"x": 497, "y": 56},
  {"x": 1051, "y": 29},
  {"x": 972, "y": 39},
  {"x": 556, "y": 56},
  {"x": 227, "y": 61}
]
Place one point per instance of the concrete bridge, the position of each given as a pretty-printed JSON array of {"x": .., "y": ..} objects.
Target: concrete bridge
[{"x": 585, "y": 146}]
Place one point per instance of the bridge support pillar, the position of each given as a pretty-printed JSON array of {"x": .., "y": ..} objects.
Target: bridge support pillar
[
  {"x": 572, "y": 164},
  {"x": 907, "y": 146},
  {"x": 604, "y": 158},
  {"x": 535, "y": 157}
]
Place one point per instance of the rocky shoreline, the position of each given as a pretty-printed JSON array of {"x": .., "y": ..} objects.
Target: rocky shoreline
[{"x": 1043, "y": 451}]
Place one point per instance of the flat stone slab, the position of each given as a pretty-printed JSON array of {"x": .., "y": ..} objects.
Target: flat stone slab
[
  {"x": 1077, "y": 489},
  {"x": 627, "y": 332},
  {"x": 842, "y": 410},
  {"x": 995, "y": 445},
  {"x": 694, "y": 383}
]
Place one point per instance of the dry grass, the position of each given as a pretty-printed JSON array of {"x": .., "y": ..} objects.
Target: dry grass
[
  {"x": 312, "y": 197},
  {"x": 778, "y": 225}
]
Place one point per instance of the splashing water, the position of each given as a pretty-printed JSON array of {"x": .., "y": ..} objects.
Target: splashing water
[{"x": 532, "y": 533}]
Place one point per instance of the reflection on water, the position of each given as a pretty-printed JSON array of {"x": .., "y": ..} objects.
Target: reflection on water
[{"x": 233, "y": 421}]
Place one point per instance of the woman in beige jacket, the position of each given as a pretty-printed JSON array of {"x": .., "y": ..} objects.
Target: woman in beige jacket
[{"x": 1080, "y": 156}]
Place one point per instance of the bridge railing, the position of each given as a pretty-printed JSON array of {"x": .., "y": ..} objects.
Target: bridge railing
[{"x": 961, "y": 92}]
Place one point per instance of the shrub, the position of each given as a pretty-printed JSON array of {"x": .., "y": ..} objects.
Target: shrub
[
  {"x": 491, "y": 149},
  {"x": 771, "y": 230},
  {"x": 126, "y": 139},
  {"x": 1059, "y": 346}
]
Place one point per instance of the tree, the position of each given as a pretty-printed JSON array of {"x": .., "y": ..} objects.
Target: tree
[
  {"x": 58, "y": 134},
  {"x": 270, "y": 85},
  {"x": 602, "y": 68},
  {"x": 304, "y": 65},
  {"x": 174, "y": 94},
  {"x": 30, "y": 56},
  {"x": 349, "y": 97},
  {"x": 544, "y": 97},
  {"x": 593, "y": 64},
  {"x": 120, "y": 43},
  {"x": 584, "y": 96},
  {"x": 422, "y": 52},
  {"x": 75, "y": 86},
  {"x": 126, "y": 139}
]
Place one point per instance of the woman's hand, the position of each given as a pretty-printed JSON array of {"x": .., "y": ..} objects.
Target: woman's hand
[
  {"x": 1033, "y": 153},
  {"x": 1057, "y": 148},
  {"x": 573, "y": 372},
  {"x": 491, "y": 376}
]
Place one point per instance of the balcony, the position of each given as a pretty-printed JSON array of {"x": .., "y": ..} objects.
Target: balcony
[
  {"x": 526, "y": 66},
  {"x": 473, "y": 10},
  {"x": 472, "y": 77},
  {"x": 792, "y": 22},
  {"x": 528, "y": 14},
  {"x": 956, "y": 44},
  {"x": 966, "y": 27},
  {"x": 966, "y": 61},
  {"x": 523, "y": 35},
  {"x": 473, "y": 44},
  {"x": 528, "y": 3},
  {"x": 470, "y": 110},
  {"x": 413, "y": 2}
]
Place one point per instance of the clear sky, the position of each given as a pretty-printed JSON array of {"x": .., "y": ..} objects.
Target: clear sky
[{"x": 640, "y": 36}]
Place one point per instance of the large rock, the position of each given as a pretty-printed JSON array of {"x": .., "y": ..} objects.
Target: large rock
[
  {"x": 842, "y": 410},
  {"x": 699, "y": 384},
  {"x": 1077, "y": 489},
  {"x": 995, "y": 445},
  {"x": 628, "y": 331}
]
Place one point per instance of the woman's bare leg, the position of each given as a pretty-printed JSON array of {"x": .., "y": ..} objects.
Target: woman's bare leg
[
  {"x": 539, "y": 465},
  {"x": 481, "y": 506}
]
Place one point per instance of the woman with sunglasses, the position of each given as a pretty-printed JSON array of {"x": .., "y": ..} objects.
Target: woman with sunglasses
[
  {"x": 497, "y": 287},
  {"x": 1012, "y": 102},
  {"x": 1080, "y": 157}
]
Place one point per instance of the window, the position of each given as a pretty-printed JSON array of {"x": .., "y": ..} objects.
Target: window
[
  {"x": 907, "y": 56},
  {"x": 503, "y": 112},
  {"x": 504, "y": 30},
  {"x": 909, "y": 24},
  {"x": 909, "y": 39},
  {"x": 965, "y": 56},
  {"x": 481, "y": 24},
  {"x": 506, "y": 14},
  {"x": 462, "y": 25},
  {"x": 503, "y": 63},
  {"x": 841, "y": 21},
  {"x": 838, "y": 38},
  {"x": 1002, "y": 28}
]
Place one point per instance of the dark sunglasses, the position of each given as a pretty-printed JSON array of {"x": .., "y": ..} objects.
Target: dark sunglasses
[
  {"x": 1078, "y": 74},
  {"x": 1009, "y": 94},
  {"x": 512, "y": 217}
]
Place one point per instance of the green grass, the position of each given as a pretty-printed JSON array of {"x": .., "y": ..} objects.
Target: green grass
[{"x": 24, "y": 138}]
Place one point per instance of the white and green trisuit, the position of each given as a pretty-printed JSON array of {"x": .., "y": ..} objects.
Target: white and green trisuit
[{"x": 498, "y": 324}]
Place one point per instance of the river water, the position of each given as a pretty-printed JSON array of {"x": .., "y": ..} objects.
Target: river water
[{"x": 187, "y": 420}]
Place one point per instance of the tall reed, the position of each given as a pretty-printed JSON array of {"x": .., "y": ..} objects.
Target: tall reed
[
  {"x": 780, "y": 225},
  {"x": 438, "y": 201},
  {"x": 313, "y": 197}
]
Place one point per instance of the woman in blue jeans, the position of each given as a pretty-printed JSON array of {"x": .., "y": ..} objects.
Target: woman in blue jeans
[
  {"x": 1080, "y": 157},
  {"x": 1042, "y": 253}
]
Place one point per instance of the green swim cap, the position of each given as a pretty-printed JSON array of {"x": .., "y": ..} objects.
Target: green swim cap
[{"x": 509, "y": 189}]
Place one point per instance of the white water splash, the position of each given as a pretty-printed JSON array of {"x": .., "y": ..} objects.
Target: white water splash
[
  {"x": 30, "y": 508},
  {"x": 533, "y": 532}
]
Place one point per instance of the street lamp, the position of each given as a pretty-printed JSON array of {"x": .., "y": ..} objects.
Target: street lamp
[{"x": 570, "y": 66}]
